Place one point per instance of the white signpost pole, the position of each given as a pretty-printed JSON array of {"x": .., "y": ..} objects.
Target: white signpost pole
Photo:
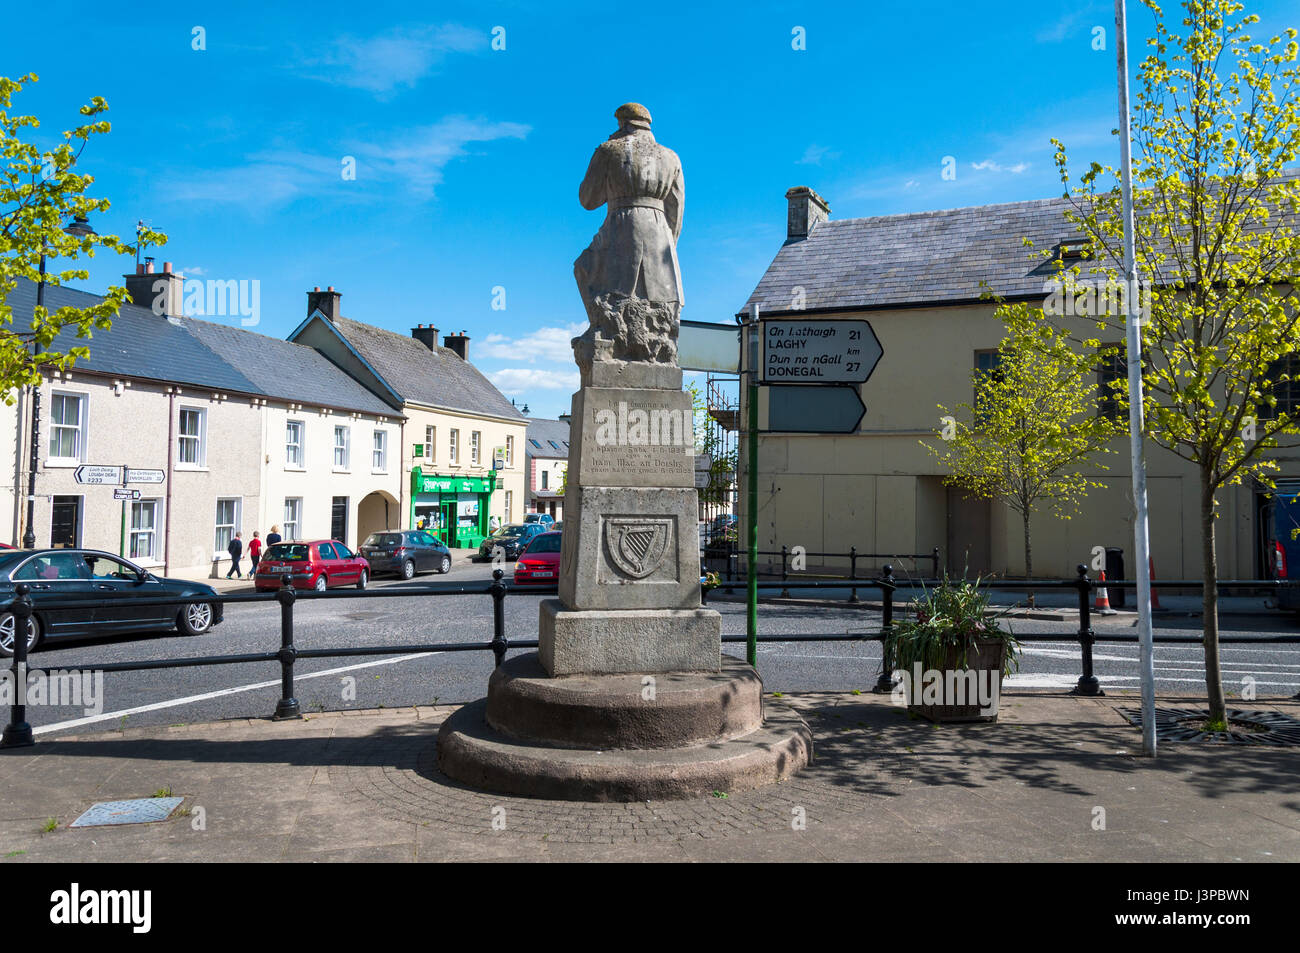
[{"x": 1141, "y": 538}]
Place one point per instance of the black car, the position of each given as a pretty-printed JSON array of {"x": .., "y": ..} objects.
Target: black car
[
  {"x": 511, "y": 538},
  {"x": 87, "y": 576},
  {"x": 406, "y": 552}
]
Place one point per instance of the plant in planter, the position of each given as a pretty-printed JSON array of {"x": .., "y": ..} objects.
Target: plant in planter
[{"x": 952, "y": 655}]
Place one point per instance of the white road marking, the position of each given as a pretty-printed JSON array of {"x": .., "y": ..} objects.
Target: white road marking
[{"x": 206, "y": 696}]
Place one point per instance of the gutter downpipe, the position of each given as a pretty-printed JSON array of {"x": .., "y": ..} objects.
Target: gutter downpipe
[{"x": 167, "y": 520}]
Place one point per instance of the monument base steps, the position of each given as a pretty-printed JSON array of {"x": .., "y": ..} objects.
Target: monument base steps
[{"x": 627, "y": 737}]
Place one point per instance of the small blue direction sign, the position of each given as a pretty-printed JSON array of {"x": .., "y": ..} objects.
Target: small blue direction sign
[{"x": 813, "y": 408}]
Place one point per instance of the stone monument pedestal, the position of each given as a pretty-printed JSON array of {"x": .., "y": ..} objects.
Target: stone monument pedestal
[{"x": 609, "y": 738}]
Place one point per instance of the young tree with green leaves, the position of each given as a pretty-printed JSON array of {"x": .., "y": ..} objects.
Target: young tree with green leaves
[
  {"x": 40, "y": 194},
  {"x": 1034, "y": 427},
  {"x": 1216, "y": 122}
]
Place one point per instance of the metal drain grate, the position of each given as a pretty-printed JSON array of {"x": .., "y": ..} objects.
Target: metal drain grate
[
  {"x": 141, "y": 810},
  {"x": 1244, "y": 727}
]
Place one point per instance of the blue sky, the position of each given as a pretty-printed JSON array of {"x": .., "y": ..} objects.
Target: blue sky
[{"x": 468, "y": 158}]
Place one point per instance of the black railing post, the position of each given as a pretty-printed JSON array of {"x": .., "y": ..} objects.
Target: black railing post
[
  {"x": 498, "y": 590},
  {"x": 287, "y": 707},
  {"x": 1088, "y": 684},
  {"x": 853, "y": 572},
  {"x": 885, "y": 683},
  {"x": 785, "y": 593},
  {"x": 18, "y": 734},
  {"x": 934, "y": 557}
]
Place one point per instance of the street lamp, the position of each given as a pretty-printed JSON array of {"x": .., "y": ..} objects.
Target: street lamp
[{"x": 78, "y": 228}]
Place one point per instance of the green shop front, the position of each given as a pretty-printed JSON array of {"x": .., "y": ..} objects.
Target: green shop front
[{"x": 453, "y": 508}]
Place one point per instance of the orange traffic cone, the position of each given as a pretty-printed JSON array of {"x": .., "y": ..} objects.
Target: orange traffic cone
[
  {"x": 1155, "y": 593},
  {"x": 1102, "y": 603}
]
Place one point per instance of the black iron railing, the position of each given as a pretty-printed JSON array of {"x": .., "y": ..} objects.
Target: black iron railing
[{"x": 18, "y": 732}]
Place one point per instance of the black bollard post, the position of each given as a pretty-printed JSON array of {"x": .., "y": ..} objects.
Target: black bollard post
[
  {"x": 498, "y": 590},
  {"x": 785, "y": 593},
  {"x": 287, "y": 707},
  {"x": 885, "y": 683},
  {"x": 18, "y": 734},
  {"x": 1088, "y": 684},
  {"x": 853, "y": 573}
]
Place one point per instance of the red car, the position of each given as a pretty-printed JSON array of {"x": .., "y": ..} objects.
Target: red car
[
  {"x": 539, "y": 563},
  {"x": 321, "y": 564}
]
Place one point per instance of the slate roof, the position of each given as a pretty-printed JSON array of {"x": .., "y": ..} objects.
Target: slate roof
[
  {"x": 913, "y": 259},
  {"x": 288, "y": 371},
  {"x": 433, "y": 377},
  {"x": 187, "y": 351},
  {"x": 922, "y": 258},
  {"x": 140, "y": 344},
  {"x": 544, "y": 431}
]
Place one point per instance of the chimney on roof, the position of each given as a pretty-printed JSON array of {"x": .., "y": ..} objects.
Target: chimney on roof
[
  {"x": 458, "y": 343},
  {"x": 163, "y": 294},
  {"x": 805, "y": 209},
  {"x": 427, "y": 335},
  {"x": 326, "y": 302}
]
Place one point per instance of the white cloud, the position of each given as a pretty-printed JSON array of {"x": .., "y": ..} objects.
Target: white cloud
[
  {"x": 1062, "y": 27},
  {"x": 419, "y": 156},
  {"x": 988, "y": 165},
  {"x": 414, "y": 159},
  {"x": 547, "y": 345},
  {"x": 382, "y": 63},
  {"x": 519, "y": 380},
  {"x": 193, "y": 270},
  {"x": 814, "y": 154}
]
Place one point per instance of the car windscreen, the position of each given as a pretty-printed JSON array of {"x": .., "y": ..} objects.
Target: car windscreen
[
  {"x": 512, "y": 530},
  {"x": 288, "y": 551},
  {"x": 545, "y": 543},
  {"x": 383, "y": 539}
]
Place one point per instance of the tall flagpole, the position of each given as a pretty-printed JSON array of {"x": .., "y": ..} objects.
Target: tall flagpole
[{"x": 1141, "y": 539}]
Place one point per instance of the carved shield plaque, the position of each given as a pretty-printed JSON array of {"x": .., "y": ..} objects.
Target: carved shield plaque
[{"x": 637, "y": 545}]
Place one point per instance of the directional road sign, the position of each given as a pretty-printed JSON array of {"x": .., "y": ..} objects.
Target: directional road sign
[
  {"x": 143, "y": 476},
  {"x": 120, "y": 494},
  {"x": 98, "y": 476},
  {"x": 798, "y": 408},
  {"x": 818, "y": 352}
]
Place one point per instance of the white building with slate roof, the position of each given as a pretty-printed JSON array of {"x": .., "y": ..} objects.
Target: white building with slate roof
[
  {"x": 547, "y": 451},
  {"x": 461, "y": 450},
  {"x": 917, "y": 279},
  {"x": 241, "y": 430}
]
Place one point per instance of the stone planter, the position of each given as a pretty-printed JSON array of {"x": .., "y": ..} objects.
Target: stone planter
[{"x": 985, "y": 660}]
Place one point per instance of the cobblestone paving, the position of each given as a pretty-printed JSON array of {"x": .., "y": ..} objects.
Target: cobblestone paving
[{"x": 411, "y": 788}]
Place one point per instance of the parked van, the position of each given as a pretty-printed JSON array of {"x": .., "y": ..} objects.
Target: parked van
[{"x": 1280, "y": 537}]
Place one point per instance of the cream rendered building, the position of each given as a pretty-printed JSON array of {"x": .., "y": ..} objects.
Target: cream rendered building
[
  {"x": 916, "y": 278},
  {"x": 458, "y": 426},
  {"x": 208, "y": 410}
]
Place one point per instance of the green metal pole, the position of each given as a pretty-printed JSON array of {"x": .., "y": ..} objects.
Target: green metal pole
[
  {"x": 751, "y": 611},
  {"x": 121, "y": 546}
]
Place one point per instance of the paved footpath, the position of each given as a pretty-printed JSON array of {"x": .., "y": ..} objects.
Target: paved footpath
[{"x": 364, "y": 786}]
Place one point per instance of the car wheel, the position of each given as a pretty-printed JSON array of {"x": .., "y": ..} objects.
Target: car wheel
[
  {"x": 7, "y": 634},
  {"x": 408, "y": 569},
  {"x": 321, "y": 583},
  {"x": 363, "y": 579},
  {"x": 445, "y": 565},
  {"x": 195, "y": 618}
]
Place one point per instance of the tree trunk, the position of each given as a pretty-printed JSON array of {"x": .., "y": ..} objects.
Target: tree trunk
[
  {"x": 1029, "y": 557},
  {"x": 1210, "y": 603}
]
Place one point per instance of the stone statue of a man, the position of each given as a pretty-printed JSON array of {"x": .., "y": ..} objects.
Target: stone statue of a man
[{"x": 628, "y": 277}]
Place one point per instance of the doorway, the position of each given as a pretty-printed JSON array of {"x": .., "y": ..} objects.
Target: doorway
[
  {"x": 65, "y": 523},
  {"x": 339, "y": 520},
  {"x": 969, "y": 526}
]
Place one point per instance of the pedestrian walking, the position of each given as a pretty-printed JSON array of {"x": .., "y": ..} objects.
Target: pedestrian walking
[
  {"x": 273, "y": 537},
  {"x": 254, "y": 553},
  {"x": 236, "y": 549}
]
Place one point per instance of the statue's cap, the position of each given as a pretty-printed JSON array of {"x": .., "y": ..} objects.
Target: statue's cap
[{"x": 632, "y": 112}]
